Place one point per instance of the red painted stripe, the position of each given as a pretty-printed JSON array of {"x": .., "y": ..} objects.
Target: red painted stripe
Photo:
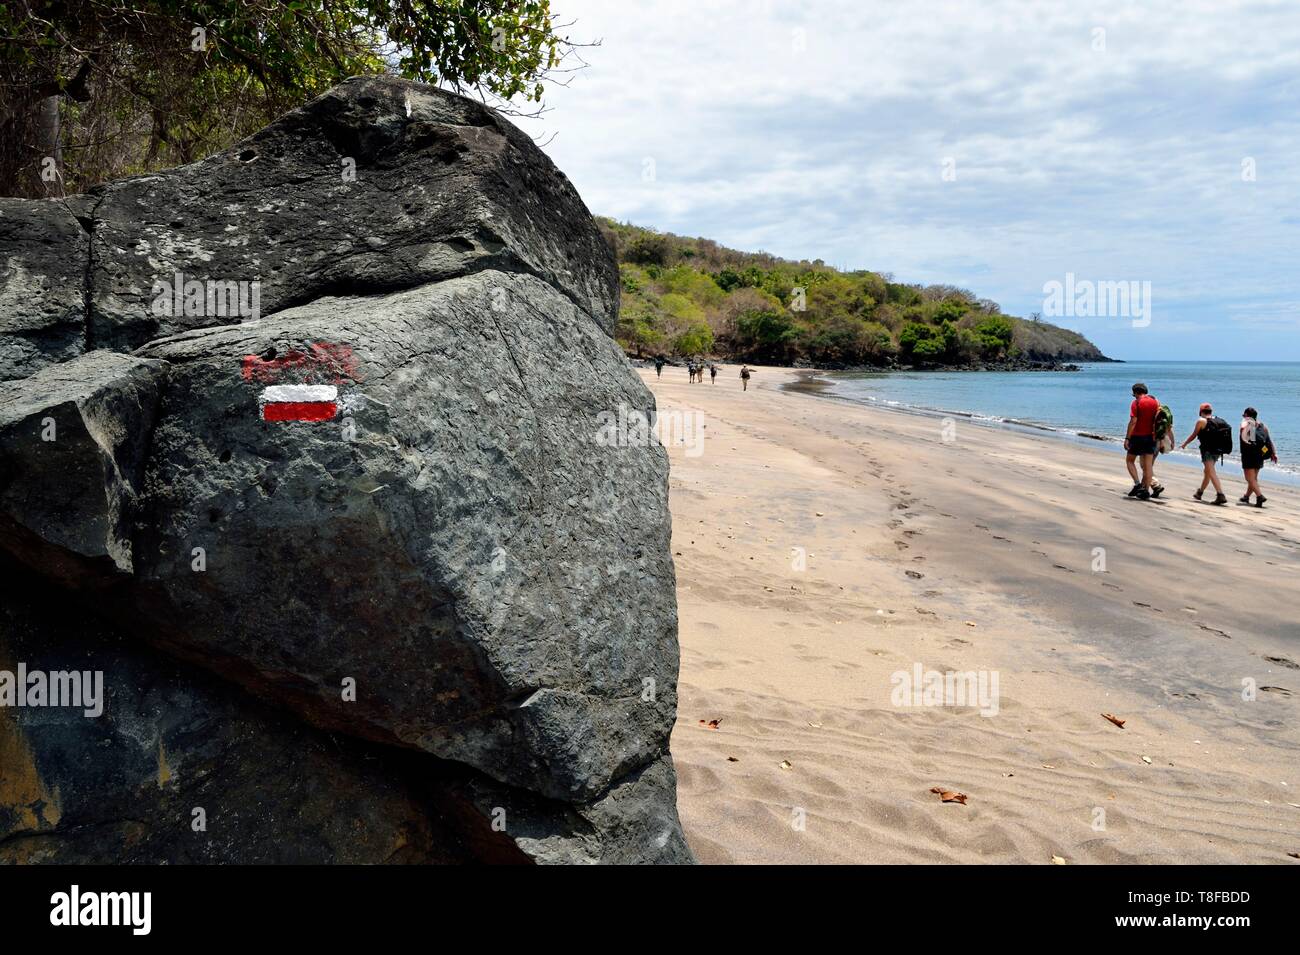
[{"x": 299, "y": 410}]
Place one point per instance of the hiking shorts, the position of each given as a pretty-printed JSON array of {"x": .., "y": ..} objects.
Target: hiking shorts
[
  {"x": 1252, "y": 458},
  {"x": 1208, "y": 455},
  {"x": 1142, "y": 444}
]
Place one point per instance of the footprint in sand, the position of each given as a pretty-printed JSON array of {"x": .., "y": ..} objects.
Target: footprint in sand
[
  {"x": 915, "y": 575},
  {"x": 1284, "y": 662},
  {"x": 1138, "y": 603},
  {"x": 1275, "y": 689},
  {"x": 1112, "y": 586},
  {"x": 1222, "y": 633},
  {"x": 1068, "y": 570}
]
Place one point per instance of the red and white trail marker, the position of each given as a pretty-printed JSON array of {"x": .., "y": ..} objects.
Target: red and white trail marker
[{"x": 299, "y": 402}]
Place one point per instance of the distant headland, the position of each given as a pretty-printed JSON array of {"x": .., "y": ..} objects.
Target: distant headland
[{"x": 693, "y": 297}]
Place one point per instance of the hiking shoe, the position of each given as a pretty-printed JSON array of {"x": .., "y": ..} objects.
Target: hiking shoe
[
  {"x": 1157, "y": 490},
  {"x": 1142, "y": 494},
  {"x": 1198, "y": 494},
  {"x": 1259, "y": 501},
  {"x": 1221, "y": 499},
  {"x": 1134, "y": 492},
  {"x": 1245, "y": 498}
]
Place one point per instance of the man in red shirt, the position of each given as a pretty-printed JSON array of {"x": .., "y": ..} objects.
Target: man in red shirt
[{"x": 1140, "y": 440}]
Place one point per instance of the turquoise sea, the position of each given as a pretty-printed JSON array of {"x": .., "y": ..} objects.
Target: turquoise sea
[{"x": 1094, "y": 401}]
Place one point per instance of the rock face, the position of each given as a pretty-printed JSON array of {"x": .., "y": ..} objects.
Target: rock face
[
  {"x": 326, "y": 447},
  {"x": 44, "y": 253}
]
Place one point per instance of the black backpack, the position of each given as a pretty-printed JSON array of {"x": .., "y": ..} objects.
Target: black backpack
[
  {"x": 1216, "y": 437},
  {"x": 1264, "y": 440}
]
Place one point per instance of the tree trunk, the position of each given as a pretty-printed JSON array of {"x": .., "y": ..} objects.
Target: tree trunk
[{"x": 50, "y": 147}]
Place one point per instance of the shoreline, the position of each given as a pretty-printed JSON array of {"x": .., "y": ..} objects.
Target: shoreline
[
  {"x": 812, "y": 382},
  {"x": 959, "y": 559}
]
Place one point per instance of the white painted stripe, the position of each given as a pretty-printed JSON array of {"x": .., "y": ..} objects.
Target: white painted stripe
[{"x": 276, "y": 393}]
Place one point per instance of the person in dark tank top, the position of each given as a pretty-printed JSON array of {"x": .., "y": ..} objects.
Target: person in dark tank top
[{"x": 1210, "y": 456}]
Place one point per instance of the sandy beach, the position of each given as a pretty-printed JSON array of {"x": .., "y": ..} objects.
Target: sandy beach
[{"x": 823, "y": 549}]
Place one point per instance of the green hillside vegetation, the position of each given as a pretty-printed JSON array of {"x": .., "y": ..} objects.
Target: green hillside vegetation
[{"x": 692, "y": 297}]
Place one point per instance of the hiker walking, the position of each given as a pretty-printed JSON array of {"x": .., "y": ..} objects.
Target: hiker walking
[
  {"x": 659, "y": 366},
  {"x": 744, "y": 377},
  {"x": 1215, "y": 438},
  {"x": 1256, "y": 445},
  {"x": 713, "y": 373},
  {"x": 1140, "y": 441}
]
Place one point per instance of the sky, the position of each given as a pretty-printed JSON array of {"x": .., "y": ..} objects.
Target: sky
[{"x": 998, "y": 146}]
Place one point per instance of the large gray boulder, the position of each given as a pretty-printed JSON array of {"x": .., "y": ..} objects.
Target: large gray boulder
[{"x": 435, "y": 555}]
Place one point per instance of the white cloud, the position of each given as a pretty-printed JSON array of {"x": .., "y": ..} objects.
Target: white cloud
[{"x": 817, "y": 130}]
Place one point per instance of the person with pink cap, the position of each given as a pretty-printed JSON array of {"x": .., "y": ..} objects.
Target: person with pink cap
[{"x": 1215, "y": 438}]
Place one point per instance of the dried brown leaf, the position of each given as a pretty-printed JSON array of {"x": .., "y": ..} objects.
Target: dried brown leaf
[{"x": 950, "y": 795}]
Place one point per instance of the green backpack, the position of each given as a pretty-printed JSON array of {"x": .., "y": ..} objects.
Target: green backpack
[{"x": 1164, "y": 421}]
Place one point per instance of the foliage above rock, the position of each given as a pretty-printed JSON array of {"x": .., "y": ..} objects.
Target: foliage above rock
[{"x": 103, "y": 90}]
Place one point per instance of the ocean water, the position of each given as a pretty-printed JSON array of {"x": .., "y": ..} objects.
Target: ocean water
[{"x": 1095, "y": 400}]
